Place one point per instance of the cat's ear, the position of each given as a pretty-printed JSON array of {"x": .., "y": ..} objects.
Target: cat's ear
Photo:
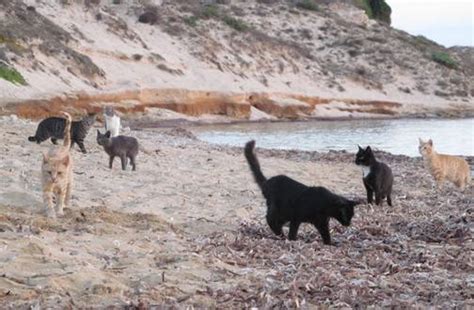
[
  {"x": 368, "y": 149},
  {"x": 360, "y": 149},
  {"x": 107, "y": 134},
  {"x": 65, "y": 160},
  {"x": 45, "y": 157},
  {"x": 430, "y": 142},
  {"x": 98, "y": 133}
]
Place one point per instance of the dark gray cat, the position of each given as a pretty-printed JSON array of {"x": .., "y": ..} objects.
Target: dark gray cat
[{"x": 121, "y": 146}]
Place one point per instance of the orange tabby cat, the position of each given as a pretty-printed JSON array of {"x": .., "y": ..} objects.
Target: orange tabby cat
[
  {"x": 56, "y": 174},
  {"x": 442, "y": 166}
]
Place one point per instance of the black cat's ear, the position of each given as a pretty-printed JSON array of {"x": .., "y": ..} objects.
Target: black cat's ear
[
  {"x": 368, "y": 149},
  {"x": 360, "y": 149},
  {"x": 98, "y": 133},
  {"x": 107, "y": 134}
]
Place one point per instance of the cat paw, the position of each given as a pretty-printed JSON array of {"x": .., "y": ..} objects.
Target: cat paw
[
  {"x": 60, "y": 213},
  {"x": 51, "y": 214}
]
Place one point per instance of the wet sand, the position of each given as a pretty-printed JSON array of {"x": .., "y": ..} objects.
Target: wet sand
[{"x": 188, "y": 229}]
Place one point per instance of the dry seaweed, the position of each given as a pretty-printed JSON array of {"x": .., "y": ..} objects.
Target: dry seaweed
[{"x": 412, "y": 255}]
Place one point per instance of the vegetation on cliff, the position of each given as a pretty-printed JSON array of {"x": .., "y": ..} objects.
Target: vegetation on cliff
[
  {"x": 376, "y": 9},
  {"x": 11, "y": 75},
  {"x": 323, "y": 48}
]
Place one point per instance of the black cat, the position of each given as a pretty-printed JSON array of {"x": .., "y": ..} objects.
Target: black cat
[
  {"x": 53, "y": 127},
  {"x": 291, "y": 201},
  {"x": 121, "y": 146},
  {"x": 377, "y": 176}
]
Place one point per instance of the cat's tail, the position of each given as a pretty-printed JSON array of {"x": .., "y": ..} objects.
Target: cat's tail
[
  {"x": 254, "y": 164},
  {"x": 32, "y": 139},
  {"x": 144, "y": 150},
  {"x": 67, "y": 129}
]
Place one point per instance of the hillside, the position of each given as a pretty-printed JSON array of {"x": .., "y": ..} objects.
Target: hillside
[{"x": 289, "y": 59}]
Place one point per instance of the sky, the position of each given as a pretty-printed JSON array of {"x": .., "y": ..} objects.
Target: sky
[{"x": 447, "y": 22}]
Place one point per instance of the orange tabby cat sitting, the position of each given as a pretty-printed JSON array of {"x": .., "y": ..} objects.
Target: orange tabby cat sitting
[
  {"x": 441, "y": 166},
  {"x": 56, "y": 174}
]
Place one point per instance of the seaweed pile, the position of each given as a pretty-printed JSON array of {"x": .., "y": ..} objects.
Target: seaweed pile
[{"x": 412, "y": 255}]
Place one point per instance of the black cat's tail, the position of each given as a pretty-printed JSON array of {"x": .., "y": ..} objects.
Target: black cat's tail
[{"x": 253, "y": 163}]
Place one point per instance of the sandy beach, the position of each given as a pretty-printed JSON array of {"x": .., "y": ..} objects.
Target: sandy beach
[{"x": 187, "y": 229}]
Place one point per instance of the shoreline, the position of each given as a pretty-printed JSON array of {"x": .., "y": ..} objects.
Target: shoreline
[{"x": 171, "y": 123}]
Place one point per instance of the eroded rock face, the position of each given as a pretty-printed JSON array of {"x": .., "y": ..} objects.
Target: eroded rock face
[
  {"x": 196, "y": 103},
  {"x": 236, "y": 106},
  {"x": 281, "y": 106},
  {"x": 193, "y": 103}
]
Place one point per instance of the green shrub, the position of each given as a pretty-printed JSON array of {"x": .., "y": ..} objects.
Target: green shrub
[
  {"x": 378, "y": 9},
  {"x": 191, "y": 20},
  {"x": 11, "y": 44},
  {"x": 364, "y": 5},
  {"x": 235, "y": 23},
  {"x": 307, "y": 5},
  {"x": 444, "y": 59},
  {"x": 11, "y": 75},
  {"x": 421, "y": 43},
  {"x": 424, "y": 40},
  {"x": 209, "y": 11}
]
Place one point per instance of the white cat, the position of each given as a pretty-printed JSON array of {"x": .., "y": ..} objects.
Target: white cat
[{"x": 112, "y": 121}]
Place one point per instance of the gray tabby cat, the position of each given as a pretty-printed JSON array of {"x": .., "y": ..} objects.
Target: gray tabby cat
[{"x": 53, "y": 127}]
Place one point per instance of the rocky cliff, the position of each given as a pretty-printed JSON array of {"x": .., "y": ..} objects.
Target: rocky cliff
[{"x": 289, "y": 59}]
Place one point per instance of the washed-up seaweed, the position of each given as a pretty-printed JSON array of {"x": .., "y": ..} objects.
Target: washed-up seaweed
[{"x": 416, "y": 254}]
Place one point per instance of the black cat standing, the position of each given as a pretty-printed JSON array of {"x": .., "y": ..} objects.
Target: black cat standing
[
  {"x": 377, "y": 176},
  {"x": 291, "y": 201}
]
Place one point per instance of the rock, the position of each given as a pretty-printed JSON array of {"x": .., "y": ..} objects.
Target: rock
[{"x": 148, "y": 18}]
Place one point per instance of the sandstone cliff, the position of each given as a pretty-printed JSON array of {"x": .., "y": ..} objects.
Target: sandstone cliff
[{"x": 290, "y": 59}]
